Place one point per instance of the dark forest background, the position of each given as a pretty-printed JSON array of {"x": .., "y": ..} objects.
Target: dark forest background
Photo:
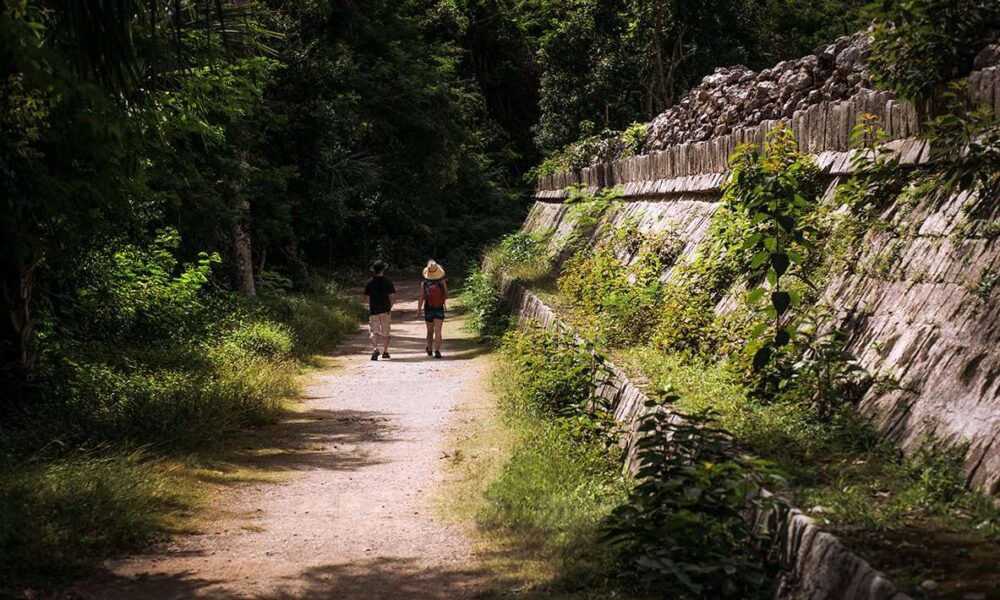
[{"x": 270, "y": 143}]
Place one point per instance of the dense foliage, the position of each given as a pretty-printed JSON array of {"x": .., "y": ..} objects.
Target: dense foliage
[
  {"x": 180, "y": 179},
  {"x": 290, "y": 136},
  {"x": 921, "y": 44}
]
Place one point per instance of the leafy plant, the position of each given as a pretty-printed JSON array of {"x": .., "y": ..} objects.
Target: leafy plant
[
  {"x": 983, "y": 288},
  {"x": 777, "y": 189},
  {"x": 965, "y": 147},
  {"x": 683, "y": 526},
  {"x": 825, "y": 372},
  {"x": 481, "y": 295},
  {"x": 632, "y": 140}
]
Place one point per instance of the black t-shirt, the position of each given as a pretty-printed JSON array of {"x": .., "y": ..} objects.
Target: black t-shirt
[{"x": 378, "y": 289}]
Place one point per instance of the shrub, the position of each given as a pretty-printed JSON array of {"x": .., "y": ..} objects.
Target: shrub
[
  {"x": 519, "y": 248},
  {"x": 559, "y": 374},
  {"x": 481, "y": 295},
  {"x": 683, "y": 526},
  {"x": 139, "y": 292},
  {"x": 263, "y": 339},
  {"x": 317, "y": 321}
]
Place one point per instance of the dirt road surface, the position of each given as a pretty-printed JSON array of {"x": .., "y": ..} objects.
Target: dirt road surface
[{"x": 356, "y": 516}]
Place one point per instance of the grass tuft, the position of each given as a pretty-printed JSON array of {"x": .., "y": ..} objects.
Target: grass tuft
[{"x": 58, "y": 517}]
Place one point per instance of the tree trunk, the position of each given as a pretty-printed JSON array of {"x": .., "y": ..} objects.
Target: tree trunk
[
  {"x": 676, "y": 58},
  {"x": 242, "y": 254},
  {"x": 17, "y": 351}
]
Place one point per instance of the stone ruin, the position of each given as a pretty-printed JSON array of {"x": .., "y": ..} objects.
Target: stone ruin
[
  {"x": 734, "y": 97},
  {"x": 927, "y": 320}
]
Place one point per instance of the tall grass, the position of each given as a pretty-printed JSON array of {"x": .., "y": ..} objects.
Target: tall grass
[
  {"x": 63, "y": 507},
  {"x": 549, "y": 499},
  {"x": 58, "y": 516}
]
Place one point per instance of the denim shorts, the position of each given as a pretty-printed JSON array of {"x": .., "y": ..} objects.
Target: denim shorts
[{"x": 433, "y": 314}]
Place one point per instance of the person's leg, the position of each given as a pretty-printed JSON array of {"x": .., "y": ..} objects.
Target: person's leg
[
  {"x": 373, "y": 330},
  {"x": 430, "y": 336},
  {"x": 386, "y": 328},
  {"x": 438, "y": 329}
]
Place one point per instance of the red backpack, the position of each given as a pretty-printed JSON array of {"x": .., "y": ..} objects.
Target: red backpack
[{"x": 434, "y": 293}]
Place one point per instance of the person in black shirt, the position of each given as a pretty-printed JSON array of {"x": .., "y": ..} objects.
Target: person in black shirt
[{"x": 381, "y": 296}]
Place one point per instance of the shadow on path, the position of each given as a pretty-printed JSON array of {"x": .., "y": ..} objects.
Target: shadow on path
[
  {"x": 379, "y": 578},
  {"x": 319, "y": 438}
]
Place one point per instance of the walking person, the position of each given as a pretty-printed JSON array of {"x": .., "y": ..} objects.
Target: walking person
[
  {"x": 433, "y": 296},
  {"x": 381, "y": 296}
]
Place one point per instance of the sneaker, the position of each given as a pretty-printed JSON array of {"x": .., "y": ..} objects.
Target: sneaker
[
  {"x": 386, "y": 355},
  {"x": 429, "y": 353},
  {"x": 437, "y": 354},
  {"x": 375, "y": 354}
]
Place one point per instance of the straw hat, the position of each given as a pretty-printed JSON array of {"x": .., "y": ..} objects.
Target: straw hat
[{"x": 433, "y": 271}]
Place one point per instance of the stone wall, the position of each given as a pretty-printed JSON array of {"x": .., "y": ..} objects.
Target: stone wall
[
  {"x": 927, "y": 318},
  {"x": 823, "y": 129},
  {"x": 814, "y": 564}
]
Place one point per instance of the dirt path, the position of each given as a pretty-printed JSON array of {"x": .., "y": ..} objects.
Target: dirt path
[{"x": 356, "y": 518}]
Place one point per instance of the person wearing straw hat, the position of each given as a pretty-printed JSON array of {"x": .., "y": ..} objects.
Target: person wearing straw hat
[{"x": 433, "y": 296}]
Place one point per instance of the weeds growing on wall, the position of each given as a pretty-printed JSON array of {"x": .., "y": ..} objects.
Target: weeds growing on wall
[
  {"x": 585, "y": 210},
  {"x": 619, "y": 281},
  {"x": 518, "y": 256},
  {"x": 684, "y": 525}
]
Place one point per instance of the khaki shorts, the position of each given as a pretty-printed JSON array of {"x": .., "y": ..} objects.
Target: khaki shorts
[{"x": 379, "y": 325}]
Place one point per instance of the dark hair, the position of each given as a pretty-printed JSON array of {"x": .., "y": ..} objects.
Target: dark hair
[{"x": 378, "y": 267}]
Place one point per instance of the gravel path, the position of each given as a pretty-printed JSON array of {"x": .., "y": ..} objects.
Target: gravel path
[{"x": 356, "y": 517}]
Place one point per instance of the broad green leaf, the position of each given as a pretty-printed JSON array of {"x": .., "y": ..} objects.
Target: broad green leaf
[
  {"x": 762, "y": 357},
  {"x": 779, "y": 262},
  {"x": 780, "y": 301}
]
